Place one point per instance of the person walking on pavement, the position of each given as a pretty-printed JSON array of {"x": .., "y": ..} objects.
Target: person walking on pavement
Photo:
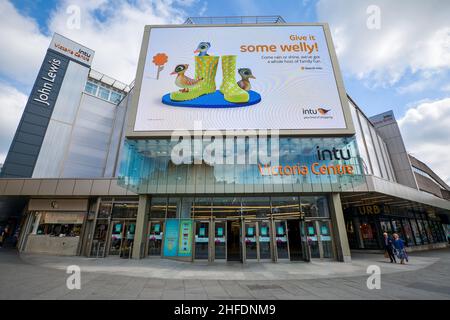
[
  {"x": 399, "y": 248},
  {"x": 388, "y": 247}
]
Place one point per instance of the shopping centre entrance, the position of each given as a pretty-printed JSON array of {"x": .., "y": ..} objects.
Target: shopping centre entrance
[
  {"x": 249, "y": 240},
  {"x": 220, "y": 229}
]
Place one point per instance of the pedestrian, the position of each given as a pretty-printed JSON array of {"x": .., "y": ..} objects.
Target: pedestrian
[
  {"x": 3, "y": 235},
  {"x": 388, "y": 247},
  {"x": 399, "y": 247}
]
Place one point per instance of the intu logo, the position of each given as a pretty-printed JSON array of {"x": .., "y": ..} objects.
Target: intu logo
[
  {"x": 319, "y": 111},
  {"x": 84, "y": 53},
  {"x": 333, "y": 154}
]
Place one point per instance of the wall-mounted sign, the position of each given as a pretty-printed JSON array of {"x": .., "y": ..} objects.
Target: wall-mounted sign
[
  {"x": 368, "y": 210},
  {"x": 171, "y": 238},
  {"x": 185, "y": 241},
  {"x": 63, "y": 218},
  {"x": 71, "y": 49}
]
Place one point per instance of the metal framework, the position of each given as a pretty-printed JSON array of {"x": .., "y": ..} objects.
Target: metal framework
[{"x": 234, "y": 20}]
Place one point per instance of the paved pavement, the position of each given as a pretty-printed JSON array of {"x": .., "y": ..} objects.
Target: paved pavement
[{"x": 427, "y": 276}]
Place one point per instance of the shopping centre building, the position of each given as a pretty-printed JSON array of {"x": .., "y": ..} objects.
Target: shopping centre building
[{"x": 92, "y": 171}]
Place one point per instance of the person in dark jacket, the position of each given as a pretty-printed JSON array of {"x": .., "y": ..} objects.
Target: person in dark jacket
[
  {"x": 388, "y": 247},
  {"x": 399, "y": 247}
]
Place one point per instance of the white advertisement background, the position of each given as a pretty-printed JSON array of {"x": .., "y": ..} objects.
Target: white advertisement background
[{"x": 285, "y": 89}]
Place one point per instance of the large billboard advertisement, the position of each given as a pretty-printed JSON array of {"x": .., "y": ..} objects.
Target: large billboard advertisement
[{"x": 282, "y": 77}]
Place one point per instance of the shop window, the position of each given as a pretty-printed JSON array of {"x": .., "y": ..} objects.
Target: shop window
[
  {"x": 60, "y": 224},
  {"x": 416, "y": 232},
  {"x": 367, "y": 231},
  {"x": 440, "y": 231},
  {"x": 59, "y": 230},
  {"x": 422, "y": 231},
  {"x": 351, "y": 234},
  {"x": 316, "y": 206},
  {"x": 408, "y": 234},
  {"x": 386, "y": 226},
  {"x": 428, "y": 231}
]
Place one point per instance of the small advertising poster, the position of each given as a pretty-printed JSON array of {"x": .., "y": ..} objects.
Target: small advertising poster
[
  {"x": 185, "y": 242},
  {"x": 171, "y": 238},
  {"x": 264, "y": 231}
]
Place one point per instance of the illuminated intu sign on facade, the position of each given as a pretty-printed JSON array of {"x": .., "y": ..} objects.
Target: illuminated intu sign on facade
[{"x": 314, "y": 163}]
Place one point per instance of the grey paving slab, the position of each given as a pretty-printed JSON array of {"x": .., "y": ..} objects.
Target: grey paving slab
[{"x": 44, "y": 277}]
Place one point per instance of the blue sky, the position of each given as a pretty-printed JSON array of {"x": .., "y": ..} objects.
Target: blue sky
[
  {"x": 372, "y": 100},
  {"x": 404, "y": 65}
]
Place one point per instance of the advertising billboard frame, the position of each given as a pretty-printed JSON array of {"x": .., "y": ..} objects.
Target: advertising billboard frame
[{"x": 347, "y": 131}]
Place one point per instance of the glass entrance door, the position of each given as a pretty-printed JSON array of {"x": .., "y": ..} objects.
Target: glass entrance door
[
  {"x": 155, "y": 235},
  {"x": 319, "y": 238},
  {"x": 264, "y": 240},
  {"x": 234, "y": 248},
  {"x": 312, "y": 239},
  {"x": 220, "y": 230},
  {"x": 251, "y": 246},
  {"x": 122, "y": 238},
  {"x": 295, "y": 242},
  {"x": 281, "y": 240},
  {"x": 116, "y": 238},
  {"x": 325, "y": 239},
  {"x": 201, "y": 240}
]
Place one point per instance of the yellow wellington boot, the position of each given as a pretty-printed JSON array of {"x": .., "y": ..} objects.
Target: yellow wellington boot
[
  {"x": 231, "y": 91},
  {"x": 205, "y": 69}
]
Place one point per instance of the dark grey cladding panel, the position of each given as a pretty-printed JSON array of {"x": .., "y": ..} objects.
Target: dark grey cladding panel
[
  {"x": 32, "y": 128},
  {"x": 24, "y": 148},
  {"x": 34, "y": 119},
  {"x": 27, "y": 142},
  {"x": 18, "y": 170},
  {"x": 22, "y": 159},
  {"x": 33, "y": 139}
]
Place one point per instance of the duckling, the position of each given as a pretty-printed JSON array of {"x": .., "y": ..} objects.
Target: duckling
[
  {"x": 202, "y": 49},
  {"x": 245, "y": 74},
  {"x": 182, "y": 80}
]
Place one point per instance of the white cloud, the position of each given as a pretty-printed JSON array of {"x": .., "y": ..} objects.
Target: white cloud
[
  {"x": 22, "y": 46},
  {"x": 426, "y": 131},
  {"x": 13, "y": 102},
  {"x": 112, "y": 28},
  {"x": 116, "y": 38},
  {"x": 414, "y": 36}
]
